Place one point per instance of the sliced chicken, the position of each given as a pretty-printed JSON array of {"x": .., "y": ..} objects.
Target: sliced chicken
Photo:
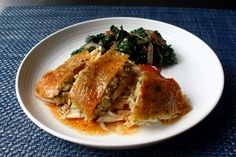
[
  {"x": 53, "y": 85},
  {"x": 156, "y": 98},
  {"x": 91, "y": 84}
]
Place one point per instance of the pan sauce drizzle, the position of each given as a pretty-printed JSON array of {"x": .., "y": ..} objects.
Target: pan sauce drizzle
[{"x": 92, "y": 128}]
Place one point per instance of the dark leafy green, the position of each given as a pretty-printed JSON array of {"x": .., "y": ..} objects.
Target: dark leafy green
[{"x": 136, "y": 44}]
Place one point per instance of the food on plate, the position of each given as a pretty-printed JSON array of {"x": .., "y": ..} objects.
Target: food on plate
[
  {"x": 156, "y": 98},
  {"x": 92, "y": 96},
  {"x": 143, "y": 46},
  {"x": 108, "y": 88},
  {"x": 54, "y": 84}
]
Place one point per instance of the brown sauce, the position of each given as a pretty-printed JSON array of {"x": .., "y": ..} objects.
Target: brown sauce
[{"x": 91, "y": 127}]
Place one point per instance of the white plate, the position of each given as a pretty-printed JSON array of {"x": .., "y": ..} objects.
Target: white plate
[{"x": 198, "y": 72}]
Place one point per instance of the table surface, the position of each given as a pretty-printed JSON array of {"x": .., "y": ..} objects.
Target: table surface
[
  {"x": 23, "y": 27},
  {"x": 226, "y": 4}
]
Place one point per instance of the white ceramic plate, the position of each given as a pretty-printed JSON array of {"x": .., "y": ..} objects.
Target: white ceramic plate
[{"x": 198, "y": 72}]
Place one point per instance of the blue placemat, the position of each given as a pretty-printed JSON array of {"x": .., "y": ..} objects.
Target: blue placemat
[{"x": 22, "y": 27}]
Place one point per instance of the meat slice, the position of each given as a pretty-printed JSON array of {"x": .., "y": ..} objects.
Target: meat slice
[
  {"x": 53, "y": 85},
  {"x": 92, "y": 82},
  {"x": 156, "y": 98}
]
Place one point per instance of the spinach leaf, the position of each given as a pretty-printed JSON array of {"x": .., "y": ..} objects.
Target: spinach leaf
[
  {"x": 135, "y": 44},
  {"x": 77, "y": 51},
  {"x": 141, "y": 36}
]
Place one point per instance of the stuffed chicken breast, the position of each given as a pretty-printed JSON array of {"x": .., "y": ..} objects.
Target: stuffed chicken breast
[
  {"x": 156, "y": 98},
  {"x": 55, "y": 84},
  {"x": 98, "y": 84}
]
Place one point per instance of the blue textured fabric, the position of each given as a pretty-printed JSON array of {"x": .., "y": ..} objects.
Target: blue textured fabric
[{"x": 22, "y": 27}]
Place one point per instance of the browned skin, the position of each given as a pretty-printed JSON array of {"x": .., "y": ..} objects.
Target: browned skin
[
  {"x": 90, "y": 86},
  {"x": 160, "y": 98},
  {"x": 49, "y": 85}
]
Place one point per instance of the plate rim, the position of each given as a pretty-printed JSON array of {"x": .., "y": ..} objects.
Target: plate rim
[{"x": 94, "y": 143}]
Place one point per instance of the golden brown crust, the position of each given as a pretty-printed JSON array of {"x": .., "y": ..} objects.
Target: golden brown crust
[
  {"x": 51, "y": 83},
  {"x": 91, "y": 83},
  {"x": 159, "y": 99},
  {"x": 48, "y": 86}
]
